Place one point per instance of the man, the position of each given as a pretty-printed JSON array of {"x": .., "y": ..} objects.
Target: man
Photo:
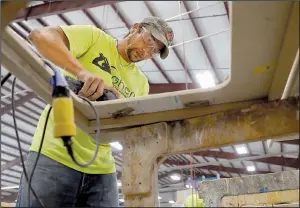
[{"x": 88, "y": 54}]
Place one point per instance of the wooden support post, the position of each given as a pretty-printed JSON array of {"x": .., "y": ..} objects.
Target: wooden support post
[
  {"x": 143, "y": 146},
  {"x": 9, "y": 10},
  {"x": 140, "y": 166}
]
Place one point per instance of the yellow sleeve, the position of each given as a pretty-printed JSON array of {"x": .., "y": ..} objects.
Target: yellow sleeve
[
  {"x": 145, "y": 88},
  {"x": 81, "y": 38}
]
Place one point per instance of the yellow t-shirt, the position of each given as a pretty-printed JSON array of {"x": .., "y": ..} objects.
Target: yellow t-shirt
[{"x": 97, "y": 52}]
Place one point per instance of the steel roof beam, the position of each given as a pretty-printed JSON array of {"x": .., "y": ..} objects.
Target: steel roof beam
[
  {"x": 226, "y": 8},
  {"x": 58, "y": 7},
  {"x": 14, "y": 162},
  {"x": 19, "y": 102},
  {"x": 294, "y": 142},
  {"x": 92, "y": 19},
  {"x": 24, "y": 27},
  {"x": 9, "y": 199},
  {"x": 14, "y": 28},
  {"x": 218, "y": 78},
  {"x": 174, "y": 49},
  {"x": 185, "y": 172},
  {"x": 42, "y": 22},
  {"x": 160, "y": 88},
  {"x": 288, "y": 162},
  {"x": 21, "y": 88},
  {"x": 3, "y": 142}
]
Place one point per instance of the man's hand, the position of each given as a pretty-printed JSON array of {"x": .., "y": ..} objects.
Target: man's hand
[{"x": 93, "y": 86}]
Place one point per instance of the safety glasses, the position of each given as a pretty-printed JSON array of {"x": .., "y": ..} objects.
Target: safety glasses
[{"x": 153, "y": 49}]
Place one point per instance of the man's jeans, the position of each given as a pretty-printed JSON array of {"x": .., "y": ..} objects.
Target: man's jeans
[{"x": 59, "y": 186}]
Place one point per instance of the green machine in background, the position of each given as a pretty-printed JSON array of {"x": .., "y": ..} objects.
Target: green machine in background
[{"x": 193, "y": 201}]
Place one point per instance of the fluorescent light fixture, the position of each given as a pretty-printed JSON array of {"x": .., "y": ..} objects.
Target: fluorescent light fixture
[
  {"x": 159, "y": 197},
  {"x": 206, "y": 79},
  {"x": 241, "y": 150},
  {"x": 171, "y": 202},
  {"x": 119, "y": 183},
  {"x": 116, "y": 145},
  {"x": 9, "y": 187},
  {"x": 121, "y": 200},
  {"x": 251, "y": 168},
  {"x": 175, "y": 177}
]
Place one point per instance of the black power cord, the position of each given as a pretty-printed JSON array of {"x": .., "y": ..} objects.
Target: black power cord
[
  {"x": 68, "y": 142},
  {"x": 5, "y": 78},
  {"x": 18, "y": 138},
  {"x": 39, "y": 153}
]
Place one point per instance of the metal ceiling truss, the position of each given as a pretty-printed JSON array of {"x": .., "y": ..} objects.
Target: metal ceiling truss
[
  {"x": 281, "y": 161},
  {"x": 174, "y": 49},
  {"x": 58, "y": 7},
  {"x": 217, "y": 76}
]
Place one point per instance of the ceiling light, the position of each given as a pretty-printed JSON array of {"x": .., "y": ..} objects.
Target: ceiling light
[
  {"x": 121, "y": 200},
  {"x": 205, "y": 79},
  {"x": 9, "y": 187},
  {"x": 188, "y": 186},
  {"x": 159, "y": 197},
  {"x": 119, "y": 183},
  {"x": 175, "y": 177},
  {"x": 251, "y": 168},
  {"x": 116, "y": 145},
  {"x": 171, "y": 202},
  {"x": 241, "y": 150}
]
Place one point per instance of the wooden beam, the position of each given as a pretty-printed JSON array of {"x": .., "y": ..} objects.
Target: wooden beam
[
  {"x": 173, "y": 115},
  {"x": 9, "y": 11}
]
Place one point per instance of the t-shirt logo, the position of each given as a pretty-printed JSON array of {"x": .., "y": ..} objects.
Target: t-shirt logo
[
  {"x": 121, "y": 87},
  {"x": 102, "y": 63}
]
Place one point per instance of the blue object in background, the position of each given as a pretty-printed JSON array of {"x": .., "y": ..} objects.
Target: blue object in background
[{"x": 263, "y": 190}]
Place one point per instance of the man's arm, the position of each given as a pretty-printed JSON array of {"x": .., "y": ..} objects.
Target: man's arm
[{"x": 53, "y": 44}]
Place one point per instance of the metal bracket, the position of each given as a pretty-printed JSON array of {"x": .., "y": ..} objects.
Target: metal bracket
[{"x": 122, "y": 113}]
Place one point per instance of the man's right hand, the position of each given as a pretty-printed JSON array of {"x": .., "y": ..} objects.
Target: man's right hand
[{"x": 93, "y": 86}]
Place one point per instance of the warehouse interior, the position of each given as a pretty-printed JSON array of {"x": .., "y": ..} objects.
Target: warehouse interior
[{"x": 253, "y": 47}]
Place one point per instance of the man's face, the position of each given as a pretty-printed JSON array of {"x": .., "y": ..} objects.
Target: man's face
[{"x": 142, "y": 45}]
